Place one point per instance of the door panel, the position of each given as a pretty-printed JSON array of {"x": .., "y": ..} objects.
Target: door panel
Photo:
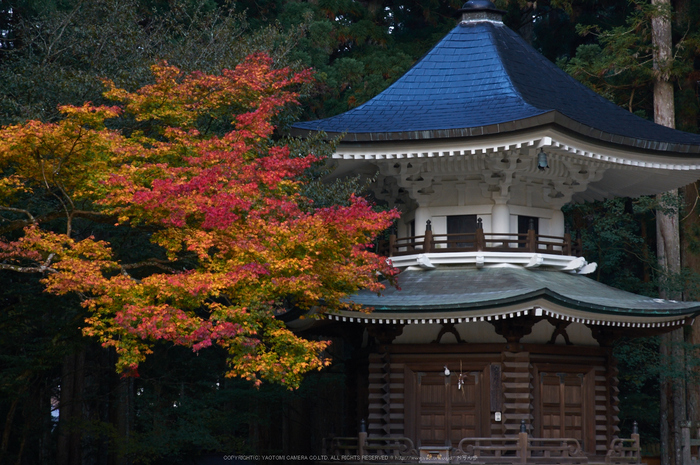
[
  {"x": 464, "y": 407},
  {"x": 562, "y": 405},
  {"x": 433, "y": 424},
  {"x": 444, "y": 410}
]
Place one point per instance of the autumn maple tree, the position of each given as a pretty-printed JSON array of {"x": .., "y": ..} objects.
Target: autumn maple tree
[{"x": 232, "y": 242}]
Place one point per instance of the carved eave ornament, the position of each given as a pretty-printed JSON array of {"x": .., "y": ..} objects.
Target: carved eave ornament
[{"x": 578, "y": 171}]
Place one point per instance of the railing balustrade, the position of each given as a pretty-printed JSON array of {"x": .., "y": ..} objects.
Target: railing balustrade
[
  {"x": 480, "y": 241},
  {"x": 521, "y": 449},
  {"x": 363, "y": 448}
]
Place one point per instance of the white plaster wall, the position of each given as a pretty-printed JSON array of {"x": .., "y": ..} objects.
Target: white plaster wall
[
  {"x": 438, "y": 217},
  {"x": 479, "y": 332},
  {"x": 540, "y": 334},
  {"x": 513, "y": 224},
  {"x": 459, "y": 194},
  {"x": 479, "y": 210},
  {"x": 402, "y": 226},
  {"x": 579, "y": 334},
  {"x": 544, "y": 215},
  {"x": 418, "y": 334},
  {"x": 486, "y": 222},
  {"x": 439, "y": 224}
]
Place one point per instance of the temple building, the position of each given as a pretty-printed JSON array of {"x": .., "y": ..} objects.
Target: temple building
[{"x": 496, "y": 331}]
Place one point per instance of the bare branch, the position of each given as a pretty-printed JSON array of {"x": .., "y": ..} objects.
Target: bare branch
[
  {"x": 97, "y": 217},
  {"x": 158, "y": 263},
  {"x": 48, "y": 189},
  {"x": 43, "y": 268},
  {"x": 31, "y": 220},
  {"x": 695, "y": 203},
  {"x": 57, "y": 39}
]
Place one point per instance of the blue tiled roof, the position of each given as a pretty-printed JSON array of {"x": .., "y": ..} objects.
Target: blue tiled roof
[{"x": 483, "y": 78}]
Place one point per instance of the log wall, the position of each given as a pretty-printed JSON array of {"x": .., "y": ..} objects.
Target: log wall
[{"x": 507, "y": 379}]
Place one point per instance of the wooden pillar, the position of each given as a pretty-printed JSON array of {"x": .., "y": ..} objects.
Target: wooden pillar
[
  {"x": 606, "y": 387},
  {"x": 361, "y": 440},
  {"x": 567, "y": 244},
  {"x": 531, "y": 240},
  {"x": 637, "y": 445},
  {"x": 522, "y": 447},
  {"x": 428, "y": 241},
  {"x": 480, "y": 240}
]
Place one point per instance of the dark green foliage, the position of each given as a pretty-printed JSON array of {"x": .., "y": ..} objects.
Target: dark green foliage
[
  {"x": 320, "y": 186},
  {"x": 640, "y": 364},
  {"x": 359, "y": 48},
  {"x": 38, "y": 331},
  {"x": 641, "y": 368},
  {"x": 182, "y": 409},
  {"x": 63, "y": 53},
  {"x": 617, "y": 62},
  {"x": 618, "y": 234},
  {"x": 618, "y": 65}
]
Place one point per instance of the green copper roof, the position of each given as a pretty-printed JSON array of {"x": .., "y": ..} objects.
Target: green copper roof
[{"x": 461, "y": 291}]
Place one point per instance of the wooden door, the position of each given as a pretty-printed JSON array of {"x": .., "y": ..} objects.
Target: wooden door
[
  {"x": 565, "y": 404},
  {"x": 562, "y": 405},
  {"x": 464, "y": 407},
  {"x": 445, "y": 412}
]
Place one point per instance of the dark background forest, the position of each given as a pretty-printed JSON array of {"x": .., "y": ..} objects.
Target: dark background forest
[{"x": 181, "y": 408}]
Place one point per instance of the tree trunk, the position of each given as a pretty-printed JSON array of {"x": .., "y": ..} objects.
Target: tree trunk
[
  {"x": 692, "y": 261},
  {"x": 123, "y": 408},
  {"x": 9, "y": 420},
  {"x": 663, "y": 406},
  {"x": 70, "y": 409},
  {"x": 668, "y": 233},
  {"x": 683, "y": 20}
]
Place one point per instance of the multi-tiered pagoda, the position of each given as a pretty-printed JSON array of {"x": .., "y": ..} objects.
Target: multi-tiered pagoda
[{"x": 496, "y": 329}]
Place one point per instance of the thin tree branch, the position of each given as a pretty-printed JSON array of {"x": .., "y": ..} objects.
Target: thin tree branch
[
  {"x": 44, "y": 267},
  {"x": 97, "y": 217},
  {"x": 158, "y": 263},
  {"x": 31, "y": 220}
]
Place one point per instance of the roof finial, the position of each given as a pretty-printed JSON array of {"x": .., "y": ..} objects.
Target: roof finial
[{"x": 481, "y": 10}]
